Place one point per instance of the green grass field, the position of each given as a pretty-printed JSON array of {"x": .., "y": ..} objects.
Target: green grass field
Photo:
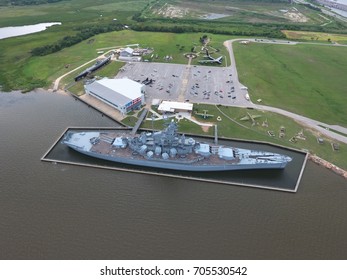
[
  {"x": 73, "y": 12},
  {"x": 315, "y": 36},
  {"x": 305, "y": 79}
]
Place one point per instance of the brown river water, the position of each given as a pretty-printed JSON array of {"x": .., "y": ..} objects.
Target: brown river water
[{"x": 59, "y": 211}]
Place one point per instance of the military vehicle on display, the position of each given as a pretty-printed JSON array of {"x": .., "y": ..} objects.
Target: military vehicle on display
[
  {"x": 169, "y": 150},
  {"x": 93, "y": 68}
]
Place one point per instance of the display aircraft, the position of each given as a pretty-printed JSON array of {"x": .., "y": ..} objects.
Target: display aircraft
[
  {"x": 211, "y": 59},
  {"x": 250, "y": 117},
  {"x": 204, "y": 114}
]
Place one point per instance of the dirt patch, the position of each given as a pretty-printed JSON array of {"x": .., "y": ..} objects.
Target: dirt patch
[
  {"x": 295, "y": 16},
  {"x": 205, "y": 128},
  {"x": 171, "y": 11}
]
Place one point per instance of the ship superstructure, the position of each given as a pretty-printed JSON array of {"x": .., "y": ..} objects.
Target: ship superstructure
[{"x": 169, "y": 150}]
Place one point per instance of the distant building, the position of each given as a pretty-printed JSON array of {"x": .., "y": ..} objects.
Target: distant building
[
  {"x": 130, "y": 58},
  {"x": 175, "y": 107},
  {"x": 124, "y": 95},
  {"x": 127, "y": 52}
]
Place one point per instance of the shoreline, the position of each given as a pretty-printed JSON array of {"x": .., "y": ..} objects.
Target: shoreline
[
  {"x": 319, "y": 161},
  {"x": 322, "y": 162}
]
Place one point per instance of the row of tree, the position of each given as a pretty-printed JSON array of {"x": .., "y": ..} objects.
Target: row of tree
[
  {"x": 26, "y": 2},
  {"x": 68, "y": 41},
  {"x": 266, "y": 32}
]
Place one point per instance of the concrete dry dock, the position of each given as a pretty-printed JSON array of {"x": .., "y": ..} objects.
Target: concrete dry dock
[{"x": 286, "y": 180}]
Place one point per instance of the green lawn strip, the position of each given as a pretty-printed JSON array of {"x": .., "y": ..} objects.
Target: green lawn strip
[
  {"x": 315, "y": 36},
  {"x": 77, "y": 88},
  {"x": 129, "y": 121}
]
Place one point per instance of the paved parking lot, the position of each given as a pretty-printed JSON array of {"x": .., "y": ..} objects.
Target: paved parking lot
[
  {"x": 167, "y": 78},
  {"x": 209, "y": 84},
  {"x": 177, "y": 82}
]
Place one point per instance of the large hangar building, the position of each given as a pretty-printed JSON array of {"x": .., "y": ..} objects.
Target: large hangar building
[{"x": 124, "y": 94}]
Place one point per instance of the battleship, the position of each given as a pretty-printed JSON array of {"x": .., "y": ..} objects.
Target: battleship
[{"x": 167, "y": 149}]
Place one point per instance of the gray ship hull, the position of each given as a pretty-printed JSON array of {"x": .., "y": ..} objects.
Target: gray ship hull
[
  {"x": 167, "y": 149},
  {"x": 164, "y": 164}
]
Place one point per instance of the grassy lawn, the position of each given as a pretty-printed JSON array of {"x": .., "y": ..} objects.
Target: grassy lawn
[
  {"x": 315, "y": 36},
  {"x": 70, "y": 12},
  {"x": 129, "y": 121},
  {"x": 305, "y": 79}
]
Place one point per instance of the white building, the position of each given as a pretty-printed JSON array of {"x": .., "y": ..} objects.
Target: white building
[
  {"x": 174, "y": 107},
  {"x": 127, "y": 52},
  {"x": 130, "y": 58},
  {"x": 122, "y": 94}
]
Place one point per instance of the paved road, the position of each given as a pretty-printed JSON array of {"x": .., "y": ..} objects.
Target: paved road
[{"x": 317, "y": 125}]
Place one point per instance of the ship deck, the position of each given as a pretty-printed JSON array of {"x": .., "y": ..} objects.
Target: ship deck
[
  {"x": 286, "y": 180},
  {"x": 104, "y": 147}
]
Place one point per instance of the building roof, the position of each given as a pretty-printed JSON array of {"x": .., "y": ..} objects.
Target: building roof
[
  {"x": 128, "y": 50},
  {"x": 116, "y": 91},
  {"x": 171, "y": 106}
]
